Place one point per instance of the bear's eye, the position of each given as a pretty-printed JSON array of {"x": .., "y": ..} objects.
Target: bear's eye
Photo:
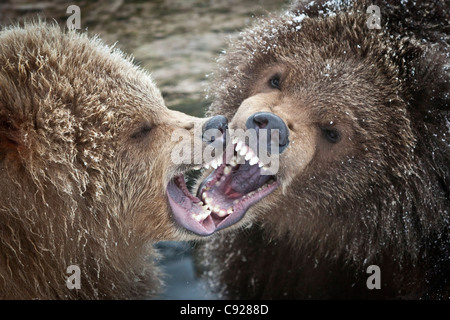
[
  {"x": 142, "y": 132},
  {"x": 332, "y": 135},
  {"x": 275, "y": 81}
]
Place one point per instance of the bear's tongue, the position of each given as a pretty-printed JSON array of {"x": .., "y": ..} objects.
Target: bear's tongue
[
  {"x": 242, "y": 180},
  {"x": 185, "y": 207},
  {"x": 223, "y": 197}
]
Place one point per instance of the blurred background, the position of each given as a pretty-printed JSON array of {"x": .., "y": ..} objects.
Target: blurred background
[{"x": 178, "y": 41}]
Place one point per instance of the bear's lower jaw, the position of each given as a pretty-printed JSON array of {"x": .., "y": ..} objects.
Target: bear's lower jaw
[
  {"x": 186, "y": 208},
  {"x": 222, "y": 199}
]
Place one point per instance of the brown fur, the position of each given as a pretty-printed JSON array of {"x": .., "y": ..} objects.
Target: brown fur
[
  {"x": 380, "y": 195},
  {"x": 84, "y": 163}
]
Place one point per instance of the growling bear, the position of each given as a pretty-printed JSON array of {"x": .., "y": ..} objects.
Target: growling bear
[
  {"x": 87, "y": 181},
  {"x": 359, "y": 208}
]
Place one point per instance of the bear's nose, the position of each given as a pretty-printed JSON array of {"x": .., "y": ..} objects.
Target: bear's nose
[
  {"x": 214, "y": 129},
  {"x": 269, "y": 122}
]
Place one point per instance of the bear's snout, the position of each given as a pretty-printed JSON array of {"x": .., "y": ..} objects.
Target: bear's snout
[
  {"x": 214, "y": 129},
  {"x": 269, "y": 122}
]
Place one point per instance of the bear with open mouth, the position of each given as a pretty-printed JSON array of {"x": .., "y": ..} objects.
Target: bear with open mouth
[
  {"x": 359, "y": 95},
  {"x": 87, "y": 181}
]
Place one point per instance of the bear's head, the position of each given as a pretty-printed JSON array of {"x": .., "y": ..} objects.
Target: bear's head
[
  {"x": 88, "y": 172},
  {"x": 360, "y": 123}
]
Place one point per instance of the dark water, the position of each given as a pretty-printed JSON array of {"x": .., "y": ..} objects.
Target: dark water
[{"x": 181, "y": 277}]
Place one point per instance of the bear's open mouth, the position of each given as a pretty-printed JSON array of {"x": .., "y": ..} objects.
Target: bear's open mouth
[{"x": 225, "y": 195}]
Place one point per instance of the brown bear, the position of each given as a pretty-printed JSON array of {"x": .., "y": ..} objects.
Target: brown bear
[
  {"x": 87, "y": 181},
  {"x": 359, "y": 207}
]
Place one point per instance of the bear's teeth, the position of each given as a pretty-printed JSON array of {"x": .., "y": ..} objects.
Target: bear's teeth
[
  {"x": 230, "y": 210},
  {"x": 222, "y": 213},
  {"x": 214, "y": 163},
  {"x": 233, "y": 161},
  {"x": 239, "y": 145},
  {"x": 254, "y": 160},
  {"x": 201, "y": 216},
  {"x": 243, "y": 151},
  {"x": 227, "y": 170},
  {"x": 249, "y": 154},
  {"x": 208, "y": 200}
]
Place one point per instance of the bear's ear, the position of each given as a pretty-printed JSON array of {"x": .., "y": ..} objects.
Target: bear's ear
[{"x": 429, "y": 82}]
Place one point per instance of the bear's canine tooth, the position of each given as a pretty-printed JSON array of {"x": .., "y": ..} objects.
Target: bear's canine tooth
[
  {"x": 233, "y": 161},
  {"x": 260, "y": 164},
  {"x": 239, "y": 145},
  {"x": 253, "y": 160},
  {"x": 226, "y": 170},
  {"x": 216, "y": 162},
  {"x": 199, "y": 217},
  {"x": 243, "y": 151},
  {"x": 204, "y": 195},
  {"x": 249, "y": 154}
]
